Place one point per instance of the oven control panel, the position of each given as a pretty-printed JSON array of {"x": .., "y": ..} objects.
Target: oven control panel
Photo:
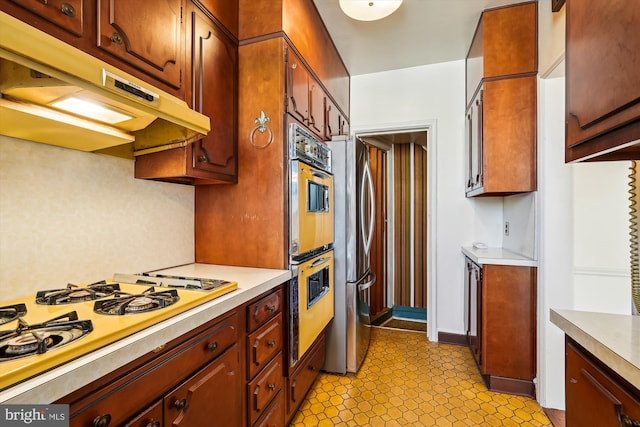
[{"x": 304, "y": 146}]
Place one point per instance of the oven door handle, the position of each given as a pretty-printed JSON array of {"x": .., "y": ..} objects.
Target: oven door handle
[
  {"x": 370, "y": 283},
  {"x": 320, "y": 261},
  {"x": 319, "y": 174}
]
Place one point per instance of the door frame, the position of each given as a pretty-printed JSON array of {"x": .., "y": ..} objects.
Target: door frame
[{"x": 430, "y": 126}]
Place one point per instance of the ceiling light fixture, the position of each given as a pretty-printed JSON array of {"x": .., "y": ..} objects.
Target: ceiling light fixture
[{"x": 369, "y": 10}]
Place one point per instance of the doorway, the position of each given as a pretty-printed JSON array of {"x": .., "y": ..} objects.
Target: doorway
[{"x": 399, "y": 254}]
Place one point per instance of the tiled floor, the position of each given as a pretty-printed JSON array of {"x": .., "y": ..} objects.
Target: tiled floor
[{"x": 406, "y": 380}]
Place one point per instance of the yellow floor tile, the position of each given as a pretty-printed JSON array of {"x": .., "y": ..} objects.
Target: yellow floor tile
[{"x": 406, "y": 380}]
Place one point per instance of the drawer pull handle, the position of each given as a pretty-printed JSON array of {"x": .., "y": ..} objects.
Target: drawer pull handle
[
  {"x": 102, "y": 420},
  {"x": 212, "y": 346},
  {"x": 153, "y": 424},
  {"x": 271, "y": 343},
  {"x": 68, "y": 10},
  {"x": 271, "y": 308},
  {"x": 271, "y": 387},
  {"x": 116, "y": 38},
  {"x": 181, "y": 405}
]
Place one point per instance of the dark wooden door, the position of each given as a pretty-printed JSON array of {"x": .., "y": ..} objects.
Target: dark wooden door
[
  {"x": 297, "y": 88},
  {"x": 213, "y": 91},
  {"x": 602, "y": 77},
  {"x": 211, "y": 397},
  {"x": 149, "y": 35}
]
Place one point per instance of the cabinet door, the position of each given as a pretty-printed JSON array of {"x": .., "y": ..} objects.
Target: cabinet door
[
  {"x": 316, "y": 108},
  {"x": 602, "y": 78},
  {"x": 474, "y": 313},
  {"x": 593, "y": 398},
  {"x": 297, "y": 88},
  {"x": 64, "y": 14},
  {"x": 333, "y": 120},
  {"x": 475, "y": 165},
  {"x": 147, "y": 35},
  {"x": 213, "y": 92},
  {"x": 210, "y": 397}
]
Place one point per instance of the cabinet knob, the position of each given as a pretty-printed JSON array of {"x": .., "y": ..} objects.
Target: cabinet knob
[
  {"x": 68, "y": 10},
  {"x": 212, "y": 346},
  {"x": 271, "y": 387},
  {"x": 116, "y": 38},
  {"x": 102, "y": 420},
  {"x": 181, "y": 405},
  {"x": 271, "y": 308},
  {"x": 153, "y": 424},
  {"x": 271, "y": 343},
  {"x": 625, "y": 421}
]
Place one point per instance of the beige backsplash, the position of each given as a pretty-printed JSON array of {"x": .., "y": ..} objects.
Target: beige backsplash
[{"x": 73, "y": 217}]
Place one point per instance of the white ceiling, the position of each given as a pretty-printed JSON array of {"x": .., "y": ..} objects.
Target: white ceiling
[{"x": 420, "y": 32}]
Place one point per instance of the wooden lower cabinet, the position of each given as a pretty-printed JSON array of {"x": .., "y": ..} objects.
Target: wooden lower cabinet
[
  {"x": 274, "y": 415},
  {"x": 500, "y": 314},
  {"x": 304, "y": 375},
  {"x": 228, "y": 372},
  {"x": 212, "y": 396},
  {"x": 595, "y": 395},
  {"x": 265, "y": 371}
]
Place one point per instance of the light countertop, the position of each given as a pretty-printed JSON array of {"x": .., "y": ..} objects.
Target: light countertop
[
  {"x": 612, "y": 338},
  {"x": 60, "y": 381},
  {"x": 498, "y": 256}
]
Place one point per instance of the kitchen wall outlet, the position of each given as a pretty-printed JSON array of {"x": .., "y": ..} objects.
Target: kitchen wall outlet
[{"x": 506, "y": 228}]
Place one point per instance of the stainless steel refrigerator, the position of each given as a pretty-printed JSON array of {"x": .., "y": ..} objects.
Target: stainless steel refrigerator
[{"x": 354, "y": 208}]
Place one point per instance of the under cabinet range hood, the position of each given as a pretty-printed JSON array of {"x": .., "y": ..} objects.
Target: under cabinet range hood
[{"x": 42, "y": 77}]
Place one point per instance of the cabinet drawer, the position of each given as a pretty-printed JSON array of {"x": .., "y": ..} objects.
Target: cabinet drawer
[
  {"x": 152, "y": 417},
  {"x": 264, "y": 388},
  {"x": 263, "y": 344},
  {"x": 122, "y": 399},
  {"x": 64, "y": 14},
  {"x": 264, "y": 309},
  {"x": 593, "y": 397},
  {"x": 274, "y": 415}
]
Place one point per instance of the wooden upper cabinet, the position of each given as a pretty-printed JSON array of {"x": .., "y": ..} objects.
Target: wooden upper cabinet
[
  {"x": 602, "y": 80},
  {"x": 213, "y": 92},
  {"x": 212, "y": 89},
  {"x": 501, "y": 69},
  {"x": 297, "y": 88},
  {"x": 147, "y": 35},
  {"x": 226, "y": 12},
  {"x": 504, "y": 44},
  {"x": 66, "y": 15},
  {"x": 335, "y": 123}
]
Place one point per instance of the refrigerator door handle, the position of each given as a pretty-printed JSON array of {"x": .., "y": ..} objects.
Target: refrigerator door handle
[
  {"x": 367, "y": 180},
  {"x": 367, "y": 285}
]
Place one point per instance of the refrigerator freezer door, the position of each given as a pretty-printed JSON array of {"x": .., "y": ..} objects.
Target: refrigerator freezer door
[{"x": 358, "y": 321}]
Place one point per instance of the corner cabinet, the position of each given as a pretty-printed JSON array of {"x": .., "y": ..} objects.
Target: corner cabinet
[
  {"x": 602, "y": 81},
  {"x": 212, "y": 89},
  {"x": 501, "y": 87},
  {"x": 500, "y": 317}
]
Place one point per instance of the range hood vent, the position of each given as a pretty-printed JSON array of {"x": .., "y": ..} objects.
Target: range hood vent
[{"x": 41, "y": 76}]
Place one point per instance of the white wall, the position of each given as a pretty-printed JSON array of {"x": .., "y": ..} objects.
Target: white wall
[
  {"x": 433, "y": 94},
  {"x": 601, "y": 243},
  {"x": 72, "y": 217}
]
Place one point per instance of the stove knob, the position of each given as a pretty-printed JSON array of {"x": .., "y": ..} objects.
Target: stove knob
[{"x": 102, "y": 421}]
